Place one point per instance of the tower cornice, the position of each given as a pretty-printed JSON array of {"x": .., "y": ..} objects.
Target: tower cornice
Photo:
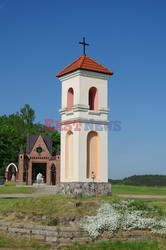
[
  {"x": 86, "y": 73},
  {"x": 90, "y": 121}
]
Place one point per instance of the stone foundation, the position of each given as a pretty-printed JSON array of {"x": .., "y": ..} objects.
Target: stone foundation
[{"x": 80, "y": 189}]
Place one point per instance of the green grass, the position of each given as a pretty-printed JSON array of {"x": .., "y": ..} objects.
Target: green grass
[
  {"x": 161, "y": 204},
  {"x": 56, "y": 206},
  {"x": 122, "y": 245},
  {"x": 12, "y": 188},
  {"x": 123, "y": 189},
  {"x": 59, "y": 206},
  {"x": 16, "y": 243}
]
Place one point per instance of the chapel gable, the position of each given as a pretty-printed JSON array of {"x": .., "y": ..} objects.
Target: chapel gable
[{"x": 39, "y": 145}]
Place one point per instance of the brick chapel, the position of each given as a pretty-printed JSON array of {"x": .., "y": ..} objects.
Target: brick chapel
[{"x": 37, "y": 159}]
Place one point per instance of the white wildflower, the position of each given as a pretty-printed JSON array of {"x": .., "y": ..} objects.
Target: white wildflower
[{"x": 111, "y": 217}]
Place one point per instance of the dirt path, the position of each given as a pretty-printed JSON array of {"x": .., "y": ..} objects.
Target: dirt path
[{"x": 142, "y": 196}]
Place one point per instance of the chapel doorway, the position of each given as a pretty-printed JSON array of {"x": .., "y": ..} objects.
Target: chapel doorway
[
  {"x": 39, "y": 168},
  {"x": 53, "y": 175}
]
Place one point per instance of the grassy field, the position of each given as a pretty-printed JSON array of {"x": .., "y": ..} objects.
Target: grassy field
[
  {"x": 123, "y": 189},
  {"x": 59, "y": 206},
  {"x": 65, "y": 206},
  {"x": 12, "y": 188},
  {"x": 16, "y": 243},
  {"x": 158, "y": 244}
]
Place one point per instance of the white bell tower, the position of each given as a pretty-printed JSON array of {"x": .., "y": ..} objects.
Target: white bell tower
[{"x": 84, "y": 131}]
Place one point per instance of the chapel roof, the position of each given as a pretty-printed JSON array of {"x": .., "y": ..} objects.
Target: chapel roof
[
  {"x": 31, "y": 140},
  {"x": 21, "y": 151},
  {"x": 86, "y": 63}
]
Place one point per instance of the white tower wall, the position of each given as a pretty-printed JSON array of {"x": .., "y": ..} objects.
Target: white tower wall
[{"x": 81, "y": 81}]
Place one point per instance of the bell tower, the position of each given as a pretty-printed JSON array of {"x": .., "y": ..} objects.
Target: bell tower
[{"x": 84, "y": 130}]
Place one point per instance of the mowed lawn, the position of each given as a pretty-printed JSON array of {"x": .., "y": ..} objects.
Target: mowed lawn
[
  {"x": 123, "y": 189},
  {"x": 13, "y": 188}
]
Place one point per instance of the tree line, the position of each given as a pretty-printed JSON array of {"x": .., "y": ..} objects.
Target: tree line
[
  {"x": 142, "y": 180},
  {"x": 14, "y": 129}
]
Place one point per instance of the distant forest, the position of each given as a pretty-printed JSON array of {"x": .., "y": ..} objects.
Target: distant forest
[{"x": 142, "y": 180}]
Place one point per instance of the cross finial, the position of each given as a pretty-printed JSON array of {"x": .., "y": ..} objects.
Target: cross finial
[{"x": 84, "y": 44}]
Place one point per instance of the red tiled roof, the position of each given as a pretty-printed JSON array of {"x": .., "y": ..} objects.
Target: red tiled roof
[{"x": 86, "y": 63}]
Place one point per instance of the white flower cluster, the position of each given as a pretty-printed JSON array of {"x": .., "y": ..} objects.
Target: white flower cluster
[
  {"x": 102, "y": 221},
  {"x": 111, "y": 217}
]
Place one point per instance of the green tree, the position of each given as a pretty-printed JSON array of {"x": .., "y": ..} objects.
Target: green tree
[
  {"x": 27, "y": 114},
  {"x": 55, "y": 140},
  {"x": 13, "y": 132}
]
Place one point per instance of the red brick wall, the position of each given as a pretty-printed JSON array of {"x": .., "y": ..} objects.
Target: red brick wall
[
  {"x": 21, "y": 168},
  {"x": 42, "y": 157}
]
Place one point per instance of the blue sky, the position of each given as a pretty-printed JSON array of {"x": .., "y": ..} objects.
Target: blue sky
[{"x": 38, "y": 38}]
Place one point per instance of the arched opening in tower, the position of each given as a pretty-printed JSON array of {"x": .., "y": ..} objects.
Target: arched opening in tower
[
  {"x": 93, "y": 154},
  {"x": 70, "y": 99},
  {"x": 93, "y": 98},
  {"x": 69, "y": 155}
]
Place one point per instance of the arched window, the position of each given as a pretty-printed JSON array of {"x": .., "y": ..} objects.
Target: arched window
[
  {"x": 93, "y": 154},
  {"x": 93, "y": 98},
  {"x": 70, "y": 99},
  {"x": 69, "y": 155}
]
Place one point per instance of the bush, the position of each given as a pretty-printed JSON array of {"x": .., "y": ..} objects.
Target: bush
[{"x": 2, "y": 180}]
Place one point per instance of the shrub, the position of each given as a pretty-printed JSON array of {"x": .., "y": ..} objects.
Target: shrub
[{"x": 2, "y": 180}]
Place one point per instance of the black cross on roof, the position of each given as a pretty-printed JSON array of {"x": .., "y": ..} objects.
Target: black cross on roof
[{"x": 84, "y": 44}]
